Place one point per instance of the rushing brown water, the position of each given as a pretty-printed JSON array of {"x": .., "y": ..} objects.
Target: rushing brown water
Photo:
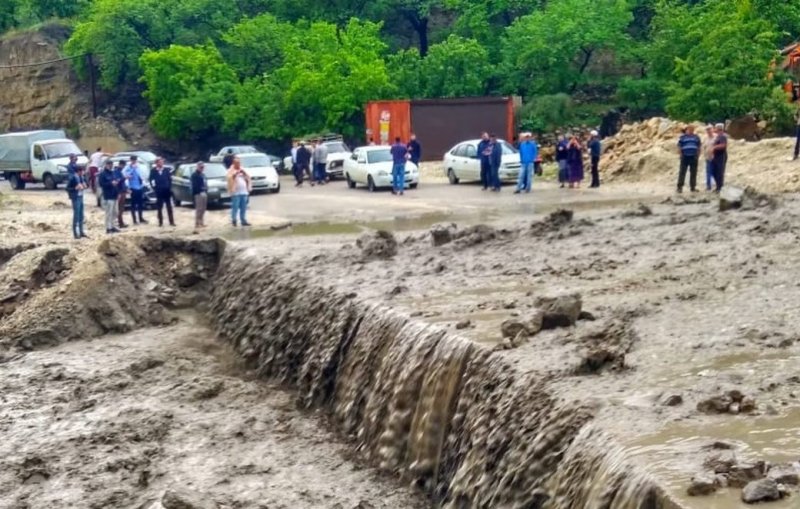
[{"x": 446, "y": 413}]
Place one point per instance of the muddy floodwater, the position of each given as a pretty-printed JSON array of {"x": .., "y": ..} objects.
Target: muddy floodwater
[
  {"x": 113, "y": 423},
  {"x": 621, "y": 355}
]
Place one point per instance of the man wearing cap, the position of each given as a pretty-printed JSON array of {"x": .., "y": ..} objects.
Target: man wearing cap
[
  {"x": 110, "y": 188},
  {"x": 200, "y": 194},
  {"x": 528, "y": 152},
  {"x": 720, "y": 159},
  {"x": 689, "y": 149},
  {"x": 76, "y": 185},
  {"x": 136, "y": 185},
  {"x": 595, "y": 149}
]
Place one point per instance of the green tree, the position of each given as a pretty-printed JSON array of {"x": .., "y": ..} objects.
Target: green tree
[
  {"x": 405, "y": 71},
  {"x": 456, "y": 67},
  {"x": 188, "y": 89},
  {"x": 725, "y": 74},
  {"x": 549, "y": 51},
  {"x": 327, "y": 76},
  {"x": 256, "y": 45}
]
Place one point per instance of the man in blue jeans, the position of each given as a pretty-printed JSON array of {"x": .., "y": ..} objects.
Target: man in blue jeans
[
  {"x": 239, "y": 187},
  {"x": 495, "y": 161},
  {"x": 399, "y": 156},
  {"x": 136, "y": 185},
  {"x": 75, "y": 187},
  {"x": 528, "y": 152}
]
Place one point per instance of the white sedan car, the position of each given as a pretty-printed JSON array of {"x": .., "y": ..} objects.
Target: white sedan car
[
  {"x": 462, "y": 162},
  {"x": 372, "y": 166},
  {"x": 263, "y": 175}
]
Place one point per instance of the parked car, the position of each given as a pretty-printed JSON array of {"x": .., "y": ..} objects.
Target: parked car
[
  {"x": 235, "y": 149},
  {"x": 372, "y": 166},
  {"x": 216, "y": 177},
  {"x": 338, "y": 153},
  {"x": 143, "y": 156},
  {"x": 462, "y": 162},
  {"x": 264, "y": 176},
  {"x": 37, "y": 156}
]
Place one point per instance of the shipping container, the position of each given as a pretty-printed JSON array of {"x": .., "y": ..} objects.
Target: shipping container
[{"x": 439, "y": 123}]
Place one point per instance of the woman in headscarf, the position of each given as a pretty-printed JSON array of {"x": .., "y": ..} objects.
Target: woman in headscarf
[{"x": 574, "y": 162}]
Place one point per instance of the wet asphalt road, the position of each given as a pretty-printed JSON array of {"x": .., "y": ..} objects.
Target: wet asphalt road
[{"x": 433, "y": 200}]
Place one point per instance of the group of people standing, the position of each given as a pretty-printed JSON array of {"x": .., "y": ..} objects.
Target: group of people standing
[
  {"x": 114, "y": 184},
  {"x": 715, "y": 152},
  {"x": 304, "y": 157},
  {"x": 569, "y": 157}
]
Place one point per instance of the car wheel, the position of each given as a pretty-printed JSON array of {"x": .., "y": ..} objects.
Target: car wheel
[
  {"x": 49, "y": 182},
  {"x": 451, "y": 176},
  {"x": 371, "y": 184},
  {"x": 15, "y": 181},
  {"x": 176, "y": 201},
  {"x": 413, "y": 186},
  {"x": 350, "y": 183}
]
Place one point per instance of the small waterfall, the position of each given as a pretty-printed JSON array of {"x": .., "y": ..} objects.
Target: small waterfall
[{"x": 445, "y": 413}]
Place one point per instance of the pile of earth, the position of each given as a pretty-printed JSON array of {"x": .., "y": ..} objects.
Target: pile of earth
[{"x": 647, "y": 152}]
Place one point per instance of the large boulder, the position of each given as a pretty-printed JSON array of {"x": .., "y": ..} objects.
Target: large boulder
[
  {"x": 184, "y": 499},
  {"x": 763, "y": 490},
  {"x": 380, "y": 245},
  {"x": 560, "y": 311},
  {"x": 702, "y": 484}
]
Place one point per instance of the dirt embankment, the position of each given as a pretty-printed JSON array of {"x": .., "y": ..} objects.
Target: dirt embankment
[{"x": 647, "y": 153}]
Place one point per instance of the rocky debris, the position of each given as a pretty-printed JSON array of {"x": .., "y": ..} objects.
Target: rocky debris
[
  {"x": 463, "y": 324},
  {"x": 785, "y": 473},
  {"x": 586, "y": 316},
  {"x": 380, "y": 245},
  {"x": 183, "y": 499},
  {"x": 762, "y": 490},
  {"x": 673, "y": 400},
  {"x": 732, "y": 402},
  {"x": 740, "y": 474},
  {"x": 703, "y": 484},
  {"x": 732, "y": 197},
  {"x": 477, "y": 234},
  {"x": 208, "y": 391},
  {"x": 561, "y": 310},
  {"x": 530, "y": 326},
  {"x": 641, "y": 210},
  {"x": 554, "y": 222},
  {"x": 442, "y": 234}
]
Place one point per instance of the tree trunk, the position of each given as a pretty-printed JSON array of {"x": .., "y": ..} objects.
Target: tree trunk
[
  {"x": 587, "y": 56},
  {"x": 420, "y": 26}
]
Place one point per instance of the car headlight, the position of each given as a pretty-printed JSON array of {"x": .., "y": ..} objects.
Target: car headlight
[
  {"x": 62, "y": 169},
  {"x": 383, "y": 173}
]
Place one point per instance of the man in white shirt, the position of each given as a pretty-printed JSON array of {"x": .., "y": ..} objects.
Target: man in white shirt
[{"x": 95, "y": 163}]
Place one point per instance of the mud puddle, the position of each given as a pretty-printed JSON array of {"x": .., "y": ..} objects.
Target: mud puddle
[
  {"x": 116, "y": 421},
  {"x": 775, "y": 439},
  {"x": 415, "y": 222}
]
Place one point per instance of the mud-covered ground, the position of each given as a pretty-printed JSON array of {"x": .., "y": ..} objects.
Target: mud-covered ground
[
  {"x": 685, "y": 304},
  {"x": 118, "y": 421}
]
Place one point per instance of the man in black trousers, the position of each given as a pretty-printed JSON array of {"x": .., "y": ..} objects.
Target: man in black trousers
[{"x": 161, "y": 182}]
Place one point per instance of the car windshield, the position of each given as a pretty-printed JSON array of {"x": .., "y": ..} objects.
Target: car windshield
[
  {"x": 254, "y": 161},
  {"x": 336, "y": 146},
  {"x": 508, "y": 148},
  {"x": 241, "y": 149},
  {"x": 214, "y": 171},
  {"x": 61, "y": 149},
  {"x": 379, "y": 156}
]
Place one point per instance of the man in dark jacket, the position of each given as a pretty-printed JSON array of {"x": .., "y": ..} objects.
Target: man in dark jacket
[
  {"x": 483, "y": 153},
  {"x": 227, "y": 161},
  {"x": 76, "y": 185},
  {"x": 303, "y": 164},
  {"x": 110, "y": 190},
  {"x": 414, "y": 150},
  {"x": 161, "y": 182},
  {"x": 595, "y": 149},
  {"x": 72, "y": 166},
  {"x": 495, "y": 160},
  {"x": 200, "y": 194},
  {"x": 122, "y": 187}
]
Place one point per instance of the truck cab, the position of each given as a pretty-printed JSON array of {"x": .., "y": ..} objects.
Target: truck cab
[{"x": 37, "y": 157}]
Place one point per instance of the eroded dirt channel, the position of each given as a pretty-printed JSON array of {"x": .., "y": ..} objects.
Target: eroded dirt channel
[{"x": 600, "y": 360}]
